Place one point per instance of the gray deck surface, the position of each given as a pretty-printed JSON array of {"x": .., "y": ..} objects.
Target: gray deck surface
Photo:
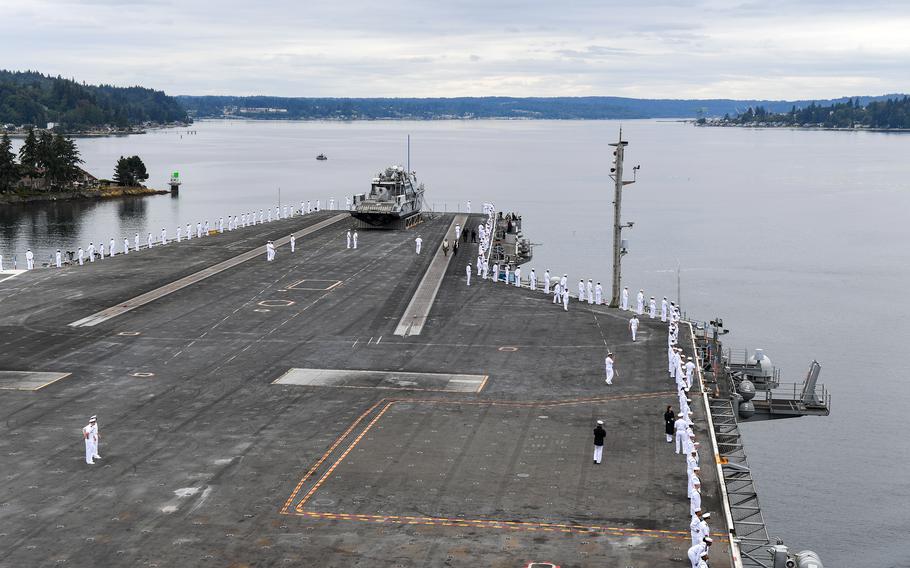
[{"x": 207, "y": 462}]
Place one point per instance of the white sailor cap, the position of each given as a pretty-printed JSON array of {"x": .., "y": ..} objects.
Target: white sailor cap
[
  {"x": 689, "y": 358},
  {"x": 600, "y": 422},
  {"x": 93, "y": 418},
  {"x": 697, "y": 444},
  {"x": 706, "y": 516},
  {"x": 708, "y": 539}
]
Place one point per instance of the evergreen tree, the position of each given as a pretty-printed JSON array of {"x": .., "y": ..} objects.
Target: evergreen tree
[
  {"x": 130, "y": 172},
  {"x": 28, "y": 154},
  {"x": 66, "y": 161},
  {"x": 9, "y": 171}
]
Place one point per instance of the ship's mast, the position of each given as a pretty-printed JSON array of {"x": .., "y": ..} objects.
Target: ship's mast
[{"x": 619, "y": 250}]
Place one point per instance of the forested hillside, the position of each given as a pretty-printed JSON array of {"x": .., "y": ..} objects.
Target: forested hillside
[
  {"x": 32, "y": 98},
  {"x": 888, "y": 114}
]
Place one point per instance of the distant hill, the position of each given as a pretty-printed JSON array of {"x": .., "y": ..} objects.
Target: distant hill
[
  {"x": 32, "y": 98},
  {"x": 890, "y": 114},
  {"x": 277, "y": 108}
]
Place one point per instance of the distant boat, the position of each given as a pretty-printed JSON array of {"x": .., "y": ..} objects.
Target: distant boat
[{"x": 322, "y": 157}]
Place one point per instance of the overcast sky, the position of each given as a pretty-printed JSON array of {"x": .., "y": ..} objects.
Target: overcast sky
[{"x": 364, "y": 48}]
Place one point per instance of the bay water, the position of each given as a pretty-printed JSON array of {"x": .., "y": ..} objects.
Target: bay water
[{"x": 799, "y": 240}]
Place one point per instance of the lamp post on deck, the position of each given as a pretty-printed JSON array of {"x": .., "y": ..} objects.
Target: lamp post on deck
[{"x": 619, "y": 248}]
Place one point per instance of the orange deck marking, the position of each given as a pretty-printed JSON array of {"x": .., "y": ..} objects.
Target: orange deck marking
[{"x": 458, "y": 522}]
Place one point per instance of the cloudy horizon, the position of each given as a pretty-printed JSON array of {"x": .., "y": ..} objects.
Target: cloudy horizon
[{"x": 687, "y": 49}]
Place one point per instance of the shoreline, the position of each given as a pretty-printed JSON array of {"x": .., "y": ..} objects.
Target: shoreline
[
  {"x": 796, "y": 127},
  {"x": 104, "y": 193}
]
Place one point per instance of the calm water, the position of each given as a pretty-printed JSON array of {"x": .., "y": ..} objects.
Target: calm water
[{"x": 799, "y": 240}]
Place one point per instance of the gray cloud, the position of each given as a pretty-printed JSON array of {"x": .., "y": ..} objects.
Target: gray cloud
[{"x": 691, "y": 48}]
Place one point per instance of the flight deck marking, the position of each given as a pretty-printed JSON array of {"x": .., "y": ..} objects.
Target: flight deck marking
[
  {"x": 194, "y": 278},
  {"x": 382, "y": 380},
  {"x": 418, "y": 310},
  {"x": 276, "y": 303},
  {"x": 311, "y": 285},
  {"x": 459, "y": 522},
  {"x": 29, "y": 380}
]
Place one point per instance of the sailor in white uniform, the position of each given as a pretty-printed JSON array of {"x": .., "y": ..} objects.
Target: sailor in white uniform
[
  {"x": 355, "y": 239},
  {"x": 564, "y": 282},
  {"x": 90, "y": 435},
  {"x": 557, "y": 293},
  {"x": 518, "y": 277},
  {"x": 101, "y": 250},
  {"x": 652, "y": 308},
  {"x": 633, "y": 326},
  {"x": 269, "y": 251},
  {"x": 508, "y": 271},
  {"x": 625, "y": 298},
  {"x": 690, "y": 372},
  {"x": 293, "y": 242},
  {"x": 608, "y": 364},
  {"x": 679, "y": 426},
  {"x": 417, "y": 242},
  {"x": 546, "y": 281},
  {"x": 112, "y": 252},
  {"x": 565, "y": 300},
  {"x": 80, "y": 254},
  {"x": 581, "y": 290},
  {"x": 149, "y": 241},
  {"x": 29, "y": 259},
  {"x": 205, "y": 228},
  {"x": 90, "y": 251},
  {"x": 495, "y": 272},
  {"x": 663, "y": 309},
  {"x": 532, "y": 279},
  {"x": 126, "y": 245},
  {"x": 640, "y": 302},
  {"x": 179, "y": 234},
  {"x": 349, "y": 238},
  {"x": 468, "y": 272},
  {"x": 58, "y": 259},
  {"x": 598, "y": 294}
]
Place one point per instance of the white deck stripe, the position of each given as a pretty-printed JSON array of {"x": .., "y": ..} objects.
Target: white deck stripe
[
  {"x": 415, "y": 316},
  {"x": 176, "y": 285}
]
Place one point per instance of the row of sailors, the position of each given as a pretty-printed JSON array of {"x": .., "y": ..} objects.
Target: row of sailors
[
  {"x": 686, "y": 444},
  {"x": 590, "y": 292},
  {"x": 201, "y": 229}
]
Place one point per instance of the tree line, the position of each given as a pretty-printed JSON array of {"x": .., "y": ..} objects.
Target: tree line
[
  {"x": 53, "y": 159},
  {"x": 887, "y": 114},
  {"x": 49, "y": 162},
  {"x": 33, "y": 98},
  {"x": 565, "y": 108}
]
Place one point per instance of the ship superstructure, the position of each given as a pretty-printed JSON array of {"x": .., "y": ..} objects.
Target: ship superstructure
[{"x": 394, "y": 196}]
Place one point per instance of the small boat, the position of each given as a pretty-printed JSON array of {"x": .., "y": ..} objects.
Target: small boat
[{"x": 322, "y": 157}]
